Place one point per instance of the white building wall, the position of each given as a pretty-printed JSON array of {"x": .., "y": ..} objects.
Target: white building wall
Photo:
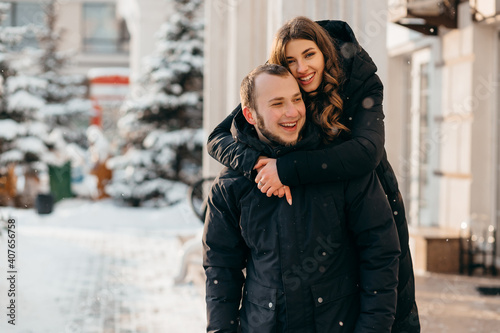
[
  {"x": 70, "y": 20},
  {"x": 465, "y": 109},
  {"x": 483, "y": 132},
  {"x": 467, "y": 162},
  {"x": 215, "y": 72},
  {"x": 465, "y": 141},
  {"x": 144, "y": 18},
  {"x": 239, "y": 35},
  {"x": 456, "y": 121}
]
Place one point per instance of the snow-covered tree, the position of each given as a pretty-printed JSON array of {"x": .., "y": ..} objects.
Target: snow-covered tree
[
  {"x": 17, "y": 141},
  {"x": 161, "y": 127},
  {"x": 66, "y": 107},
  {"x": 40, "y": 106},
  {"x": 9, "y": 36},
  {"x": 11, "y": 114}
]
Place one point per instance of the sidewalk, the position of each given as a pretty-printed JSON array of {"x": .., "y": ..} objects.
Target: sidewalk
[
  {"x": 97, "y": 268},
  {"x": 451, "y": 303}
]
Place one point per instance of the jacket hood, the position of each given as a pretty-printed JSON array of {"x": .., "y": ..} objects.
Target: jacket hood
[
  {"x": 356, "y": 64},
  {"x": 243, "y": 132}
]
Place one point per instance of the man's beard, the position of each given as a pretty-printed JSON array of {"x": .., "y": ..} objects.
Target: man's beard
[{"x": 273, "y": 138}]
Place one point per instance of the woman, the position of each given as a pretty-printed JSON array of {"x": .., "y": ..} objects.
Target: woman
[{"x": 344, "y": 98}]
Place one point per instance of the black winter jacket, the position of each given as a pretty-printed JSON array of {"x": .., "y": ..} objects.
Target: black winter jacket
[
  {"x": 328, "y": 263},
  {"x": 361, "y": 153}
]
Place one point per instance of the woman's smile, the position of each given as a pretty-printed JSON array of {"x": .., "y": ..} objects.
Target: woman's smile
[{"x": 306, "y": 63}]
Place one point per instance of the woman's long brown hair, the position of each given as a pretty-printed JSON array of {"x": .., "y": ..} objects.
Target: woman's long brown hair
[{"x": 325, "y": 103}]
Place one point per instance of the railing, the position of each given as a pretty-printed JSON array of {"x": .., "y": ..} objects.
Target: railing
[{"x": 478, "y": 243}]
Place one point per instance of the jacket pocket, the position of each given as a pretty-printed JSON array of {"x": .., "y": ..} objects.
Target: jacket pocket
[
  {"x": 257, "y": 312},
  {"x": 335, "y": 288},
  {"x": 336, "y": 304}
]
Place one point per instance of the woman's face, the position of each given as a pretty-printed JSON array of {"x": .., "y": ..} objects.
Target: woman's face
[{"x": 306, "y": 63}]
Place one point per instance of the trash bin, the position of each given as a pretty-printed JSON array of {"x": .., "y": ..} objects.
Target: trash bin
[
  {"x": 44, "y": 203},
  {"x": 60, "y": 181}
]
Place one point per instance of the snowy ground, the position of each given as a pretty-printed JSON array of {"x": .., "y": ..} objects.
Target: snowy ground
[{"x": 94, "y": 267}]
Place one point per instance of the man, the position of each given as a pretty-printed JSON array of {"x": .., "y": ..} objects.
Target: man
[{"x": 327, "y": 263}]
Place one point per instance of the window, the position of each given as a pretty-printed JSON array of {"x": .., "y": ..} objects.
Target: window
[
  {"x": 102, "y": 31},
  {"x": 419, "y": 145},
  {"x": 22, "y": 14}
]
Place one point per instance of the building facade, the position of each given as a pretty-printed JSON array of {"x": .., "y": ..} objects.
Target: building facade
[
  {"x": 443, "y": 120},
  {"x": 100, "y": 33},
  {"x": 440, "y": 69},
  {"x": 91, "y": 30},
  {"x": 97, "y": 37}
]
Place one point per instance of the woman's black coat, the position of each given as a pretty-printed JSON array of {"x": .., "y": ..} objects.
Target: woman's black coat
[{"x": 362, "y": 152}]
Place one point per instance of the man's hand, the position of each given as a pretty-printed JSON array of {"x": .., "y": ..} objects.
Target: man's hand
[{"x": 268, "y": 180}]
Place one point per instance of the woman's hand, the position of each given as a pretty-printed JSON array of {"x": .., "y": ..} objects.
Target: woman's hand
[{"x": 268, "y": 180}]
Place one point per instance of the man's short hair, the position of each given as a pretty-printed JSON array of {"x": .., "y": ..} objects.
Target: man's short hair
[{"x": 247, "y": 89}]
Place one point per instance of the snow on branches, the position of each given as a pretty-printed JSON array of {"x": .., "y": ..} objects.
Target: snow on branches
[{"x": 161, "y": 126}]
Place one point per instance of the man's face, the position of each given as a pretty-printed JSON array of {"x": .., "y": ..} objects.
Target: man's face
[{"x": 281, "y": 113}]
